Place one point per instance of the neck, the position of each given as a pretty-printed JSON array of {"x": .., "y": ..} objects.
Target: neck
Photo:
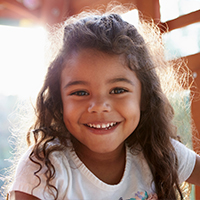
[
  {"x": 84, "y": 152},
  {"x": 102, "y": 165}
]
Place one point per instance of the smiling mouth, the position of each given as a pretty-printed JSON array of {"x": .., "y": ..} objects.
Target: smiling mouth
[{"x": 105, "y": 126}]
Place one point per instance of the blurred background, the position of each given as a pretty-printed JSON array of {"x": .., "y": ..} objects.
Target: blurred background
[{"x": 23, "y": 40}]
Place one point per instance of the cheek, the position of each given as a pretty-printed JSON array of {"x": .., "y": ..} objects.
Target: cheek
[
  {"x": 131, "y": 110},
  {"x": 71, "y": 112},
  {"x": 68, "y": 112},
  {"x": 133, "y": 113}
]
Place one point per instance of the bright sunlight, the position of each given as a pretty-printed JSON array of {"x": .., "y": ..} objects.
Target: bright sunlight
[
  {"x": 22, "y": 60},
  {"x": 22, "y": 67}
]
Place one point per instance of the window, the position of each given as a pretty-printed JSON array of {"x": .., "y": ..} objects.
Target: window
[
  {"x": 182, "y": 42},
  {"x": 171, "y": 9}
]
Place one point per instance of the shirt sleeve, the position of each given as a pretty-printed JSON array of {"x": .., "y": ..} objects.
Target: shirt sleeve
[
  {"x": 26, "y": 181},
  {"x": 186, "y": 160}
]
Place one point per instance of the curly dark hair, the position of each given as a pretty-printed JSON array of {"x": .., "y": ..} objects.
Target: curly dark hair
[{"x": 110, "y": 34}]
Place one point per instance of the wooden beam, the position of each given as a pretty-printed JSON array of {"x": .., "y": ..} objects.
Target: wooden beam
[
  {"x": 194, "y": 65},
  {"x": 49, "y": 12},
  {"x": 149, "y": 9},
  {"x": 195, "y": 110},
  {"x": 7, "y": 14},
  {"x": 193, "y": 61},
  {"x": 54, "y": 11},
  {"x": 20, "y": 10},
  {"x": 181, "y": 21}
]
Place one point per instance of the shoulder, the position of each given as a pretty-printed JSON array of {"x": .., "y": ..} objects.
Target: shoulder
[
  {"x": 30, "y": 176},
  {"x": 25, "y": 163},
  {"x": 183, "y": 151},
  {"x": 186, "y": 160},
  {"x": 30, "y": 162}
]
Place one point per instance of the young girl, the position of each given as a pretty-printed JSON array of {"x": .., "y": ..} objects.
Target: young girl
[{"x": 104, "y": 126}]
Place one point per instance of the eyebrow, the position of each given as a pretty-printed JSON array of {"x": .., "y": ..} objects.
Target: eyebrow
[
  {"x": 71, "y": 83},
  {"x": 115, "y": 80}
]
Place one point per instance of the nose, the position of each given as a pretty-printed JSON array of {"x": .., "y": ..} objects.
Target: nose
[{"x": 98, "y": 105}]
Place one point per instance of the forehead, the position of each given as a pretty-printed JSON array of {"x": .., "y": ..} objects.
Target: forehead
[
  {"x": 91, "y": 53},
  {"x": 92, "y": 59},
  {"x": 93, "y": 66}
]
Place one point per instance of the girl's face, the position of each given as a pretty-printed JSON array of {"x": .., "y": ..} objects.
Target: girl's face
[{"x": 101, "y": 100}]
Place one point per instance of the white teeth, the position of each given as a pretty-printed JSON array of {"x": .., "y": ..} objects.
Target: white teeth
[
  {"x": 108, "y": 125},
  {"x": 103, "y": 126},
  {"x": 98, "y": 126}
]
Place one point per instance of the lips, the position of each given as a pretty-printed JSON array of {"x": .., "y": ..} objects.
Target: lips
[{"x": 105, "y": 126}]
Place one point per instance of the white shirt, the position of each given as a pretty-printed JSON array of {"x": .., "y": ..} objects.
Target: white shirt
[{"x": 74, "y": 180}]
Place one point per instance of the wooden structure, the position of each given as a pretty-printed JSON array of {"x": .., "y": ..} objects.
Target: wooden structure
[{"x": 51, "y": 11}]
